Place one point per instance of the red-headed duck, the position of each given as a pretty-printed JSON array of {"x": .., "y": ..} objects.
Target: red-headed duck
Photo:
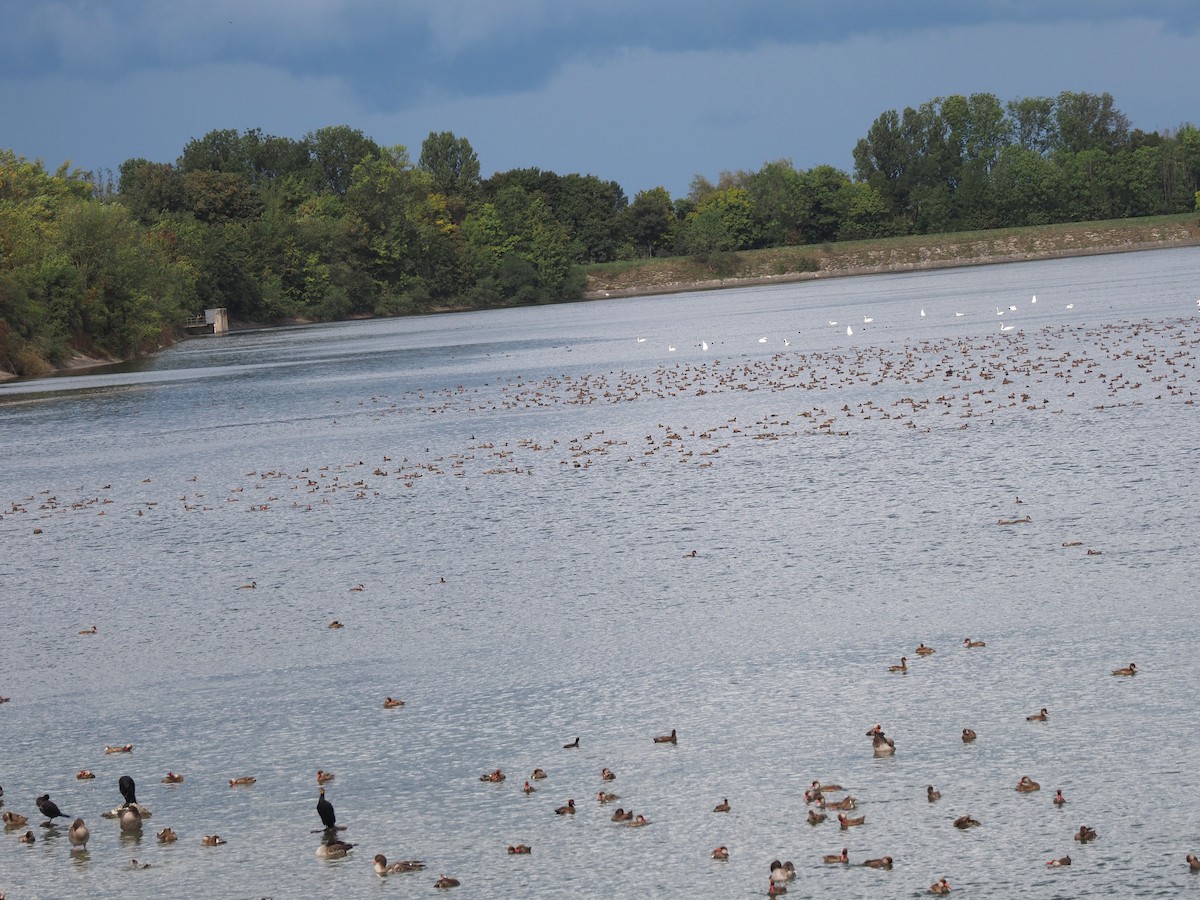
[{"x": 842, "y": 857}]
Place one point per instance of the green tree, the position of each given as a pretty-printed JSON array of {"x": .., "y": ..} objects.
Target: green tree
[
  {"x": 652, "y": 220},
  {"x": 452, "y": 163},
  {"x": 335, "y": 151}
]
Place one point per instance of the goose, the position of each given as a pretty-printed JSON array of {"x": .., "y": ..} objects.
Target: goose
[
  {"x": 849, "y": 331},
  {"x": 1033, "y": 299},
  {"x": 641, "y": 340},
  {"x": 670, "y": 349},
  {"x": 383, "y": 867},
  {"x": 131, "y": 820},
  {"x": 333, "y": 849},
  {"x": 78, "y": 834},
  {"x": 762, "y": 340},
  {"x": 704, "y": 345},
  {"x": 959, "y": 315},
  {"x": 1007, "y": 327},
  {"x": 922, "y": 314},
  {"x": 867, "y": 320},
  {"x": 1012, "y": 309},
  {"x": 1070, "y": 306}
]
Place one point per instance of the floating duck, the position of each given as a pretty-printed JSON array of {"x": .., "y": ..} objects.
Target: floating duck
[
  {"x": 667, "y": 738},
  {"x": 335, "y": 624},
  {"x": 1085, "y": 834},
  {"x": 495, "y": 776},
  {"x": 816, "y": 818},
  {"x": 902, "y": 667},
  {"x": 27, "y": 838},
  {"x": 848, "y": 822},
  {"x": 942, "y": 886},
  {"x": 520, "y": 850},
  {"x": 1064, "y": 861},
  {"x": 324, "y": 777},
  {"x": 722, "y": 852},
  {"x": 84, "y": 775},
  {"x": 1130, "y": 669},
  {"x": 172, "y": 778},
  {"x": 242, "y": 781},
  {"x": 574, "y": 745},
  {"x": 833, "y": 858},
  {"x": 1059, "y": 799},
  {"x": 212, "y": 840},
  {"x": 538, "y": 774},
  {"x": 622, "y": 815},
  {"x": 922, "y": 650},
  {"x": 167, "y": 836},
  {"x": 1027, "y": 785},
  {"x": 13, "y": 820},
  {"x": 608, "y": 775},
  {"x": 446, "y": 882},
  {"x": 965, "y": 822},
  {"x": 605, "y": 797},
  {"x": 933, "y": 796},
  {"x": 883, "y": 745},
  {"x": 1193, "y": 862},
  {"x": 568, "y": 810},
  {"x": 968, "y": 735},
  {"x": 884, "y": 862},
  {"x": 529, "y": 788},
  {"x": 120, "y": 748},
  {"x": 722, "y": 807},
  {"x": 383, "y": 867},
  {"x": 1038, "y": 716},
  {"x": 969, "y": 644},
  {"x": 333, "y": 849},
  {"x": 392, "y": 703}
]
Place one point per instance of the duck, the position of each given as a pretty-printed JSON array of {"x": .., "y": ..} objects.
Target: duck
[
  {"x": 1085, "y": 834},
  {"x": 529, "y": 788},
  {"x": 172, "y": 778},
  {"x": 722, "y": 807},
  {"x": 324, "y": 777},
  {"x": 965, "y": 822},
  {"x": 91, "y": 630},
  {"x": 84, "y": 775},
  {"x": 847, "y": 822},
  {"x": 622, "y": 815},
  {"x": 821, "y": 788},
  {"x": 932, "y": 795},
  {"x": 1064, "y": 861},
  {"x": 968, "y": 643},
  {"x": 1193, "y": 863},
  {"x": 883, "y": 745},
  {"x": 844, "y": 803},
  {"x": 1130, "y": 669},
  {"x": 574, "y": 745},
  {"x": 774, "y": 889},
  {"x": 968, "y": 735},
  {"x": 167, "y": 836},
  {"x": 242, "y": 781},
  {"x": 333, "y": 849},
  {"x": 78, "y": 834},
  {"x": 902, "y": 667},
  {"x": 722, "y": 852},
  {"x": 816, "y": 818},
  {"x": 922, "y": 650},
  {"x": 212, "y": 840},
  {"x": 538, "y": 774},
  {"x": 335, "y": 624},
  {"x": 520, "y": 850},
  {"x": 325, "y": 810},
  {"x": 1027, "y": 785},
  {"x": 248, "y": 586},
  {"x": 446, "y": 881},
  {"x": 392, "y": 703},
  {"x": 941, "y": 886},
  {"x": 13, "y": 820},
  {"x": 884, "y": 862},
  {"x": 606, "y": 797},
  {"x": 1059, "y": 799},
  {"x": 358, "y": 588},
  {"x": 1038, "y": 716},
  {"x": 638, "y": 821},
  {"x": 120, "y": 748},
  {"x": 49, "y": 809},
  {"x": 842, "y": 857},
  {"x": 779, "y": 875},
  {"x": 608, "y": 774},
  {"x": 383, "y": 867},
  {"x": 568, "y": 810},
  {"x": 495, "y": 776},
  {"x": 666, "y": 738},
  {"x": 27, "y": 838},
  {"x": 134, "y": 864}
]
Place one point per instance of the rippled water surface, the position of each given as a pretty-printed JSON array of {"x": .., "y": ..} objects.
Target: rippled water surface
[{"x": 519, "y": 494}]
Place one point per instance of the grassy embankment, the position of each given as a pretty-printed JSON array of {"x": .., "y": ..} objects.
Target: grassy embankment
[{"x": 899, "y": 254}]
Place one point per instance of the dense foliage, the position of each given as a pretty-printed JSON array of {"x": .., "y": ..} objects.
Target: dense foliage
[{"x": 333, "y": 225}]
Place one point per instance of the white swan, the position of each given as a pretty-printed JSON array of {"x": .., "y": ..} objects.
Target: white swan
[
  {"x": 999, "y": 311},
  {"x": 786, "y": 342},
  {"x": 867, "y": 320},
  {"x": 641, "y": 340},
  {"x": 959, "y": 315},
  {"x": 849, "y": 331},
  {"x": 922, "y": 314},
  {"x": 1033, "y": 299},
  {"x": 762, "y": 340},
  {"x": 832, "y": 322},
  {"x": 704, "y": 345},
  {"x": 1072, "y": 305},
  {"x": 1007, "y": 327},
  {"x": 670, "y": 349},
  {"x": 1012, "y": 309}
]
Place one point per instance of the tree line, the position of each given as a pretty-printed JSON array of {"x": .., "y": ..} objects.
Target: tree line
[{"x": 333, "y": 224}]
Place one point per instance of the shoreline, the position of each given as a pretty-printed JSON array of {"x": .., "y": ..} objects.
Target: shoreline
[{"x": 680, "y": 275}]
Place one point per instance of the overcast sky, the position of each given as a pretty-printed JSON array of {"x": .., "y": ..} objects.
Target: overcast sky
[{"x": 643, "y": 92}]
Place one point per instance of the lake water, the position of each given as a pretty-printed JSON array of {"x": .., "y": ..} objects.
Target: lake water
[{"x": 519, "y": 493}]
